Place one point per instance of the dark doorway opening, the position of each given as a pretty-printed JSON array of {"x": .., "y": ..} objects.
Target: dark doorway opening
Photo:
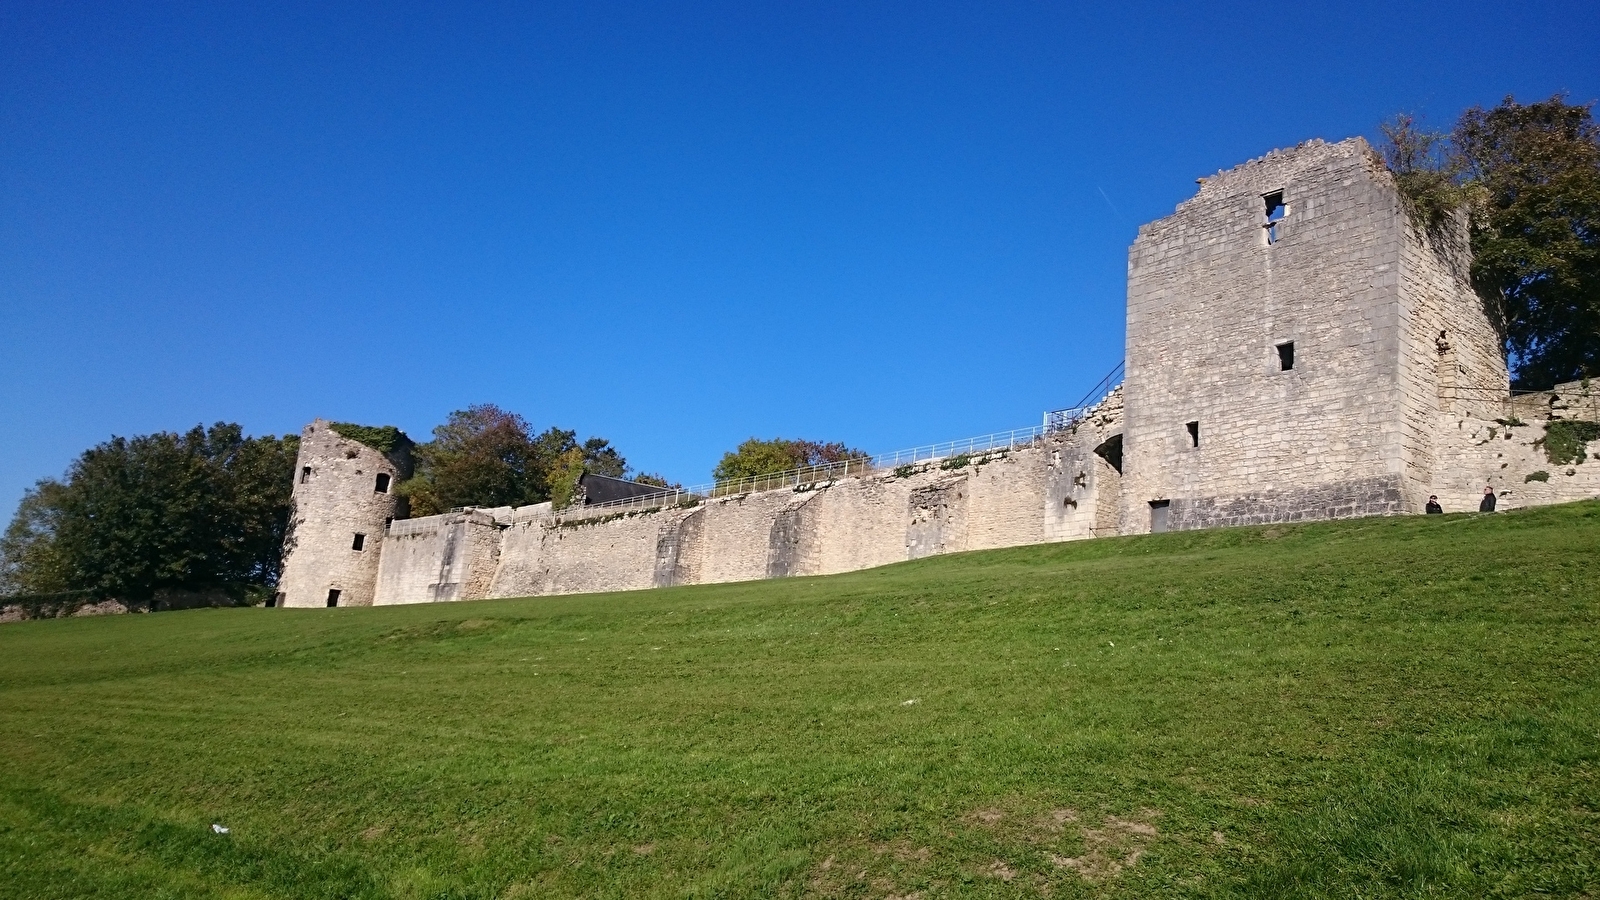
[
  {"x": 1158, "y": 515},
  {"x": 333, "y": 597}
]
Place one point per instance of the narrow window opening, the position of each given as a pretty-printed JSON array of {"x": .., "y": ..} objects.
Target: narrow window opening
[
  {"x": 1158, "y": 515},
  {"x": 305, "y": 474},
  {"x": 1275, "y": 213},
  {"x": 1194, "y": 433},
  {"x": 359, "y": 543},
  {"x": 1286, "y": 356},
  {"x": 333, "y": 597},
  {"x": 382, "y": 486}
]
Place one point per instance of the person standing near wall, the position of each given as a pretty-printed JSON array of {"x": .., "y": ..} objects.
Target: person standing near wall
[
  {"x": 1488, "y": 500},
  {"x": 1433, "y": 508}
]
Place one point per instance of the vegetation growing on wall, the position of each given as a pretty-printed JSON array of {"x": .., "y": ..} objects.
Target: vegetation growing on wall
[
  {"x": 385, "y": 439},
  {"x": 1564, "y": 440},
  {"x": 1423, "y": 169},
  {"x": 1530, "y": 174}
]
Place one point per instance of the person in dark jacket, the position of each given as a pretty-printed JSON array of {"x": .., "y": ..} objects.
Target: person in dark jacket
[
  {"x": 1488, "y": 500},
  {"x": 1433, "y": 508}
]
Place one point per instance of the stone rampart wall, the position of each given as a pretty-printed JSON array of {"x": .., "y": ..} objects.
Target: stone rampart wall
[
  {"x": 999, "y": 499},
  {"x": 439, "y": 558},
  {"x": 1478, "y": 453}
]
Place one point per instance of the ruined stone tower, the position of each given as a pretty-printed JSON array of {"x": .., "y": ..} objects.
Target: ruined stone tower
[
  {"x": 344, "y": 496},
  {"x": 1293, "y": 342},
  {"x": 1299, "y": 348}
]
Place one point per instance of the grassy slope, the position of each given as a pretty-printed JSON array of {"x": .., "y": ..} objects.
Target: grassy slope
[{"x": 1396, "y": 707}]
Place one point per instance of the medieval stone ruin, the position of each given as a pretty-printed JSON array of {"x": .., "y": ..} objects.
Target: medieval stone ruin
[{"x": 1297, "y": 350}]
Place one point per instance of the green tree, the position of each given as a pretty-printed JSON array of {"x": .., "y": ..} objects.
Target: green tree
[
  {"x": 204, "y": 510},
  {"x": 1425, "y": 170},
  {"x": 1530, "y": 176},
  {"x": 30, "y": 562},
  {"x": 486, "y": 456},
  {"x": 769, "y": 457},
  {"x": 1535, "y": 171}
]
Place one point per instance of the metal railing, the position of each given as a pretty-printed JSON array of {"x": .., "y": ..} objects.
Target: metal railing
[
  {"x": 826, "y": 473},
  {"x": 1062, "y": 419}
]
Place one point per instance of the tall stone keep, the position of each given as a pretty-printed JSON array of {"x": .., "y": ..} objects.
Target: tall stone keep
[
  {"x": 344, "y": 497},
  {"x": 1294, "y": 340}
]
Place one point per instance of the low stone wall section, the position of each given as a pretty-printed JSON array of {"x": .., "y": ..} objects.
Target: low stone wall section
[
  {"x": 439, "y": 559},
  {"x": 996, "y": 499},
  {"x": 1479, "y": 453}
]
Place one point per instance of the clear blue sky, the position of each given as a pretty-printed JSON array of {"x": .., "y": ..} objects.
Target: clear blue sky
[{"x": 675, "y": 226}]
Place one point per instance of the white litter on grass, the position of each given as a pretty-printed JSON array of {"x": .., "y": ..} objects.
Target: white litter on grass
[
  {"x": 218, "y": 828},
  {"x": 913, "y": 701}
]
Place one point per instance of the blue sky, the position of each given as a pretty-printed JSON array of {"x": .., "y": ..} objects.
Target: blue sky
[{"x": 675, "y": 226}]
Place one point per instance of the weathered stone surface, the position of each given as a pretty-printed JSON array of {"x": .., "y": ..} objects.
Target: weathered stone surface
[
  {"x": 1397, "y": 391},
  {"x": 336, "y": 497}
]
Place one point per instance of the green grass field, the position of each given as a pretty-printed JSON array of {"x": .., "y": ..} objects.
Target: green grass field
[{"x": 1387, "y": 707}]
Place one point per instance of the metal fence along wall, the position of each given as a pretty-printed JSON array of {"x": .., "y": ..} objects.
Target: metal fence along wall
[{"x": 1054, "y": 421}]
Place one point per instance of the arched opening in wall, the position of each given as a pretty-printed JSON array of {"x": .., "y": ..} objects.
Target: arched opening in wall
[
  {"x": 1108, "y": 486},
  {"x": 382, "y": 486},
  {"x": 1110, "y": 450}
]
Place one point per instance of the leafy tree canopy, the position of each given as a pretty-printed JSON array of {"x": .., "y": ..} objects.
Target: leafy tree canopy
[
  {"x": 1531, "y": 175},
  {"x": 486, "y": 456},
  {"x": 768, "y": 457},
  {"x": 203, "y": 510}
]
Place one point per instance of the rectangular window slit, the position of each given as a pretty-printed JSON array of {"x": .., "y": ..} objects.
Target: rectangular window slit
[
  {"x": 382, "y": 486},
  {"x": 1194, "y": 433},
  {"x": 305, "y": 474},
  {"x": 1275, "y": 213},
  {"x": 1286, "y": 356},
  {"x": 359, "y": 543},
  {"x": 333, "y": 597}
]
